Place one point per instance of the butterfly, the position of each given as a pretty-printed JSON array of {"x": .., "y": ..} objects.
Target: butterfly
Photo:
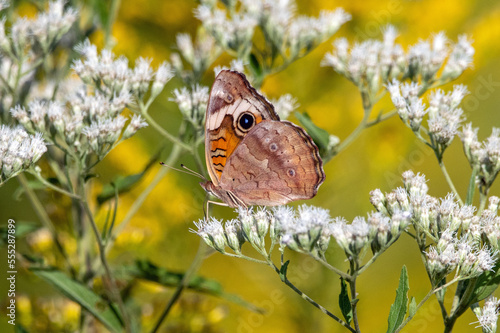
[{"x": 254, "y": 158}]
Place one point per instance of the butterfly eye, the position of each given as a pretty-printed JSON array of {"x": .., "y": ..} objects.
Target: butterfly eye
[{"x": 246, "y": 121}]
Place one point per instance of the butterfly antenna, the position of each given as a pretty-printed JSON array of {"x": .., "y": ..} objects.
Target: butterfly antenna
[{"x": 189, "y": 171}]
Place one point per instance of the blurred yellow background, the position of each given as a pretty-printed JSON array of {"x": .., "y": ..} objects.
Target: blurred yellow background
[{"x": 160, "y": 231}]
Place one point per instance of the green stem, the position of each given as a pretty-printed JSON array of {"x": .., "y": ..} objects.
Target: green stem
[
  {"x": 449, "y": 181},
  {"x": 102, "y": 253},
  {"x": 44, "y": 218},
  {"x": 381, "y": 118},
  {"x": 186, "y": 279},
  {"x": 51, "y": 186},
  {"x": 357, "y": 131},
  {"x": 174, "y": 155},
  {"x": 242, "y": 256},
  {"x": 113, "y": 10},
  {"x": 175, "y": 140},
  {"x": 429, "y": 294},
  {"x": 334, "y": 269},
  {"x": 354, "y": 299},
  {"x": 309, "y": 299}
]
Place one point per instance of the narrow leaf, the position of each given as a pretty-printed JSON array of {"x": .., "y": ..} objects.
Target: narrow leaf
[
  {"x": 398, "y": 308},
  {"x": 344, "y": 302},
  {"x": 22, "y": 229},
  {"x": 255, "y": 65},
  {"x": 82, "y": 295},
  {"x": 412, "y": 309},
  {"x": 146, "y": 270},
  {"x": 486, "y": 284},
  {"x": 283, "y": 270},
  {"x": 123, "y": 184},
  {"x": 320, "y": 136}
]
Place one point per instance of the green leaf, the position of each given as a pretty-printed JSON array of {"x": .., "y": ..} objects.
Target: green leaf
[
  {"x": 412, "y": 309},
  {"x": 320, "y": 136},
  {"x": 123, "y": 184},
  {"x": 398, "y": 308},
  {"x": 82, "y": 295},
  {"x": 146, "y": 270},
  {"x": 486, "y": 284},
  {"x": 255, "y": 65},
  {"x": 345, "y": 302},
  {"x": 18, "y": 328},
  {"x": 33, "y": 184},
  {"x": 22, "y": 229},
  {"x": 283, "y": 271},
  {"x": 102, "y": 11}
]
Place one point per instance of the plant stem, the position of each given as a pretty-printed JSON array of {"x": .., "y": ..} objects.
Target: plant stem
[
  {"x": 354, "y": 300},
  {"x": 354, "y": 134},
  {"x": 449, "y": 181},
  {"x": 174, "y": 155},
  {"x": 334, "y": 269},
  {"x": 44, "y": 218},
  {"x": 175, "y": 140},
  {"x": 51, "y": 186},
  {"x": 113, "y": 10},
  {"x": 102, "y": 253},
  {"x": 309, "y": 299},
  {"x": 429, "y": 294},
  {"x": 382, "y": 117},
  {"x": 193, "y": 268}
]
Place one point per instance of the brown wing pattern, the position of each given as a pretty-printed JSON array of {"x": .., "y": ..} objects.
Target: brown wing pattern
[
  {"x": 231, "y": 96},
  {"x": 276, "y": 162}
]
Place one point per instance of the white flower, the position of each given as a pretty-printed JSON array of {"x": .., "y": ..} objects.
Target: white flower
[
  {"x": 18, "y": 151},
  {"x": 488, "y": 315},
  {"x": 285, "y": 105}
]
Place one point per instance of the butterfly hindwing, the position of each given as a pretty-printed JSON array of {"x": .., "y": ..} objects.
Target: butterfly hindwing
[{"x": 276, "y": 163}]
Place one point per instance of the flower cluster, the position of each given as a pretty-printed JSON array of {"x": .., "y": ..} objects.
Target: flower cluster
[
  {"x": 444, "y": 114},
  {"x": 4, "y": 4},
  {"x": 454, "y": 228},
  {"x": 483, "y": 156},
  {"x": 368, "y": 64},
  {"x": 308, "y": 230},
  {"x": 372, "y": 63},
  {"x": 26, "y": 42},
  {"x": 87, "y": 118},
  {"x": 42, "y": 31},
  {"x": 83, "y": 123},
  {"x": 199, "y": 55},
  {"x": 192, "y": 103},
  {"x": 18, "y": 151},
  {"x": 488, "y": 315},
  {"x": 113, "y": 75},
  {"x": 288, "y": 34}
]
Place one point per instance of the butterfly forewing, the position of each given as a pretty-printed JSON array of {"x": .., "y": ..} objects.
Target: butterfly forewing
[{"x": 231, "y": 99}]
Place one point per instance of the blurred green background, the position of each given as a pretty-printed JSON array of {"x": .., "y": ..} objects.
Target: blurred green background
[{"x": 160, "y": 231}]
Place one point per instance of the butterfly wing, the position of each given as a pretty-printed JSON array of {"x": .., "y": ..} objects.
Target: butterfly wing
[
  {"x": 234, "y": 107},
  {"x": 276, "y": 163}
]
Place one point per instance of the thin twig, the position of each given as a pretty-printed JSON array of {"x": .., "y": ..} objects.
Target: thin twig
[{"x": 186, "y": 279}]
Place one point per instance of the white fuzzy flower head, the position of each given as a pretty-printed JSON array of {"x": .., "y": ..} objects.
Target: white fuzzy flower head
[
  {"x": 18, "y": 151},
  {"x": 305, "y": 230},
  {"x": 163, "y": 74},
  {"x": 285, "y": 105},
  {"x": 136, "y": 123},
  {"x": 488, "y": 315},
  {"x": 4, "y": 4},
  {"x": 460, "y": 58},
  {"x": 212, "y": 233},
  {"x": 192, "y": 102},
  {"x": 352, "y": 238}
]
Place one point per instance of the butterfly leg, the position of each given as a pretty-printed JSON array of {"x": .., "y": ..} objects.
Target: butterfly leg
[{"x": 215, "y": 203}]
